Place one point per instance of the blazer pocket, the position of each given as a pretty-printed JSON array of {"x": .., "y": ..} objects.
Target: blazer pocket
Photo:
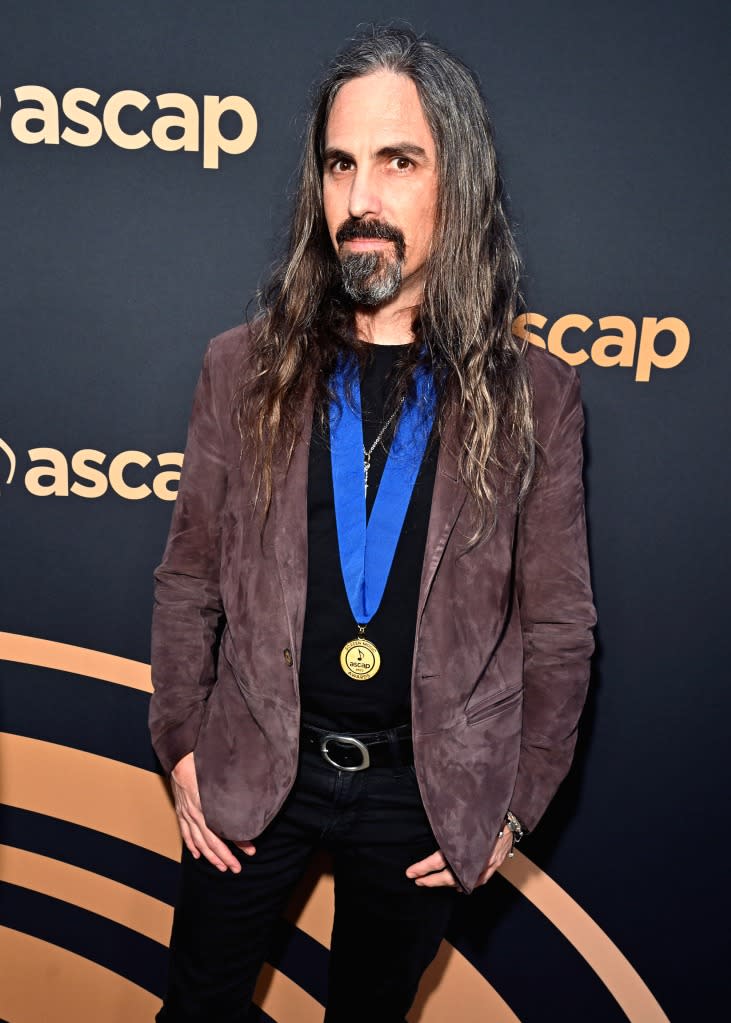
[
  {"x": 236, "y": 675},
  {"x": 249, "y": 691},
  {"x": 491, "y": 705}
]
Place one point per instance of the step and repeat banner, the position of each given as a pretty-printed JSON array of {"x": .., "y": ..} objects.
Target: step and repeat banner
[{"x": 147, "y": 153}]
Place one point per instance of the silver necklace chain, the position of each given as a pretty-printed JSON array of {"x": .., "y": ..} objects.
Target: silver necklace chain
[{"x": 369, "y": 451}]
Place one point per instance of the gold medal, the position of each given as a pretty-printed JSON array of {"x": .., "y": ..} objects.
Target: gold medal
[{"x": 360, "y": 658}]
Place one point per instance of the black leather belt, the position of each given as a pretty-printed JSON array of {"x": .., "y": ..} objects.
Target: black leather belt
[{"x": 354, "y": 751}]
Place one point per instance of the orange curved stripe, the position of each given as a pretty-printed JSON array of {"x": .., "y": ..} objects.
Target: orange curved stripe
[
  {"x": 43, "y": 983},
  {"x": 155, "y": 829},
  {"x": 283, "y": 1000},
  {"x": 77, "y": 660},
  {"x": 612, "y": 968},
  {"x": 95, "y": 792},
  {"x": 90, "y": 891},
  {"x": 451, "y": 988}
]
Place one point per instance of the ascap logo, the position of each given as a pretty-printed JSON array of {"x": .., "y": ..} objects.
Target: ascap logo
[
  {"x": 133, "y": 475},
  {"x": 619, "y": 344},
  {"x": 38, "y": 118}
]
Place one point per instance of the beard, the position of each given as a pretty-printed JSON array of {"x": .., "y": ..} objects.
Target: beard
[{"x": 370, "y": 278}]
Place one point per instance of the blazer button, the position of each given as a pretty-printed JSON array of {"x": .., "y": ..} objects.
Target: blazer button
[{"x": 288, "y": 656}]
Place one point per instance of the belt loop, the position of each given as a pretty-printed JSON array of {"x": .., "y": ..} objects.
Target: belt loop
[{"x": 395, "y": 748}]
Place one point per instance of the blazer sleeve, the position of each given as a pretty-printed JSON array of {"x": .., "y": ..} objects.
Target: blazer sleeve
[
  {"x": 187, "y": 608},
  {"x": 557, "y": 611}
]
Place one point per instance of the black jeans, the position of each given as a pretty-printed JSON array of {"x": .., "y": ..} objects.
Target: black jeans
[{"x": 386, "y": 929}]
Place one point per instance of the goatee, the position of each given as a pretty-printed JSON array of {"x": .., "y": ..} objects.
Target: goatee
[{"x": 370, "y": 278}]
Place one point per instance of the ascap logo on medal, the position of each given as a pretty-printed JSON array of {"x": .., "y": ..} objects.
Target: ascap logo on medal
[{"x": 360, "y": 659}]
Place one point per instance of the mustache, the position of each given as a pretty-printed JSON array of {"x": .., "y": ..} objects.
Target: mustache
[{"x": 353, "y": 228}]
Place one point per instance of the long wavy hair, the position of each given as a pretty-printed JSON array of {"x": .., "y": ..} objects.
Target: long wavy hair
[{"x": 470, "y": 298}]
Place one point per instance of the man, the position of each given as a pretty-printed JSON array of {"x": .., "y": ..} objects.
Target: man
[{"x": 373, "y": 619}]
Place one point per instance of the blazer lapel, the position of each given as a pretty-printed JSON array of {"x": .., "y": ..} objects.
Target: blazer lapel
[{"x": 448, "y": 496}]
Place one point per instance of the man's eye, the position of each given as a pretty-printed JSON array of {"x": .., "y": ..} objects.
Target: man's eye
[
  {"x": 402, "y": 162},
  {"x": 341, "y": 165}
]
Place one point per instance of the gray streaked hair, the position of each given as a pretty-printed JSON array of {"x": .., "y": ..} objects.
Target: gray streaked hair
[{"x": 470, "y": 298}]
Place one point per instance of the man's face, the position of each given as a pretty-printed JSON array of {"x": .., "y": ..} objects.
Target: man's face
[{"x": 380, "y": 187}]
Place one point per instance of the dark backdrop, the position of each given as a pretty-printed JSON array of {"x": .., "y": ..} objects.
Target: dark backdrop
[{"x": 119, "y": 264}]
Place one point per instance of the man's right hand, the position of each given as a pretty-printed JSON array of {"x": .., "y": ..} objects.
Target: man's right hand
[{"x": 196, "y": 835}]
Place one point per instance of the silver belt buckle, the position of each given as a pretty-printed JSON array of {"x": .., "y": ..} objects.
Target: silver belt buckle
[{"x": 348, "y": 740}]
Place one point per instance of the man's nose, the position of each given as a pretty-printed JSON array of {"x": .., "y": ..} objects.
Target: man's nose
[{"x": 364, "y": 199}]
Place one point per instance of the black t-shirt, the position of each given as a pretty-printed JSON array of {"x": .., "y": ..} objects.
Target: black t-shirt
[{"x": 330, "y": 698}]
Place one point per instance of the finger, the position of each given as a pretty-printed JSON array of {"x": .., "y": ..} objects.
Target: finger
[
  {"x": 248, "y": 847},
  {"x": 214, "y": 844},
  {"x": 210, "y": 854},
  {"x": 440, "y": 880},
  {"x": 434, "y": 862},
  {"x": 220, "y": 849}
]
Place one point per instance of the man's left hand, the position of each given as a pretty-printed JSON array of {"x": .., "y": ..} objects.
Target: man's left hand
[{"x": 434, "y": 872}]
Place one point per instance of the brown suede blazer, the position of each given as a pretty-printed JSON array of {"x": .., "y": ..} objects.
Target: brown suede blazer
[{"x": 503, "y": 639}]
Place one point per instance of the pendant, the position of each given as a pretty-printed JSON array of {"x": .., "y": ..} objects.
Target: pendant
[{"x": 360, "y": 658}]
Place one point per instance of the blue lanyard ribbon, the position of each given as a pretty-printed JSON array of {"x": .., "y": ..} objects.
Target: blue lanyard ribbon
[{"x": 367, "y": 552}]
